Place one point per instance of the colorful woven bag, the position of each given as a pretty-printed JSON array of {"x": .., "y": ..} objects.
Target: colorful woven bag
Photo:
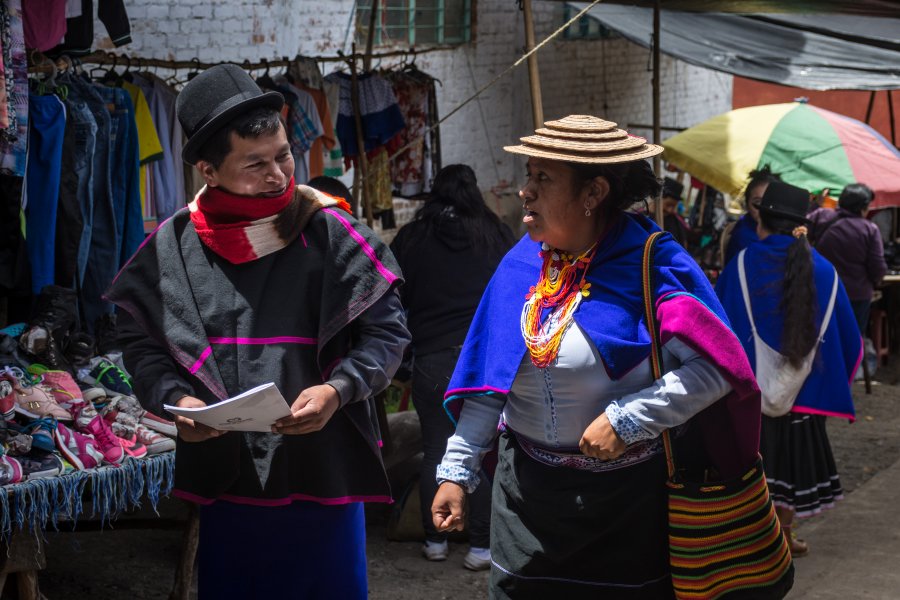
[{"x": 725, "y": 540}]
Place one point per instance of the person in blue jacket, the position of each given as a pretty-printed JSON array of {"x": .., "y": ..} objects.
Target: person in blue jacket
[
  {"x": 790, "y": 310},
  {"x": 743, "y": 233}
]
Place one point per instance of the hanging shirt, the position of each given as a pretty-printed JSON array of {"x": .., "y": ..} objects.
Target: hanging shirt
[
  {"x": 14, "y": 140},
  {"x": 45, "y": 23},
  {"x": 149, "y": 146},
  {"x": 323, "y": 145}
]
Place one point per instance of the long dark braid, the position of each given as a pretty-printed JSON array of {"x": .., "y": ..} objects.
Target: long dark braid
[{"x": 799, "y": 303}]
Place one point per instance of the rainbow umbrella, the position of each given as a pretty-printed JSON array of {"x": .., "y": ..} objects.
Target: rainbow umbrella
[{"x": 810, "y": 147}]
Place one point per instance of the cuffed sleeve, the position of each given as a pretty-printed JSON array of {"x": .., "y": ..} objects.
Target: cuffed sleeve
[
  {"x": 380, "y": 338},
  {"x": 671, "y": 400},
  {"x": 155, "y": 376},
  {"x": 474, "y": 437}
]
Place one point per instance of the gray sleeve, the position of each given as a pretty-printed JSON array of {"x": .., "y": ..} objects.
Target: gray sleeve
[
  {"x": 380, "y": 338},
  {"x": 474, "y": 437},
  {"x": 671, "y": 400}
]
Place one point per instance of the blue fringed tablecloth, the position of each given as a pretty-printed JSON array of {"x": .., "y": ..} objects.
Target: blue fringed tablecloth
[{"x": 36, "y": 502}]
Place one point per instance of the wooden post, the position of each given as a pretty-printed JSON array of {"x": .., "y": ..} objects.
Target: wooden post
[
  {"x": 891, "y": 113},
  {"x": 370, "y": 34},
  {"x": 534, "y": 76},
  {"x": 657, "y": 162},
  {"x": 869, "y": 108},
  {"x": 184, "y": 570},
  {"x": 363, "y": 163}
]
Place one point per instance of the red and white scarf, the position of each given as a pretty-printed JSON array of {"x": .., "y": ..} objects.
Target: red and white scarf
[{"x": 243, "y": 228}]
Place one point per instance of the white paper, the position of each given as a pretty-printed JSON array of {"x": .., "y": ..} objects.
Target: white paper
[{"x": 254, "y": 410}]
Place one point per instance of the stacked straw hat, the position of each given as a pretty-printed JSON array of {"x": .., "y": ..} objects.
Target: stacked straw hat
[{"x": 585, "y": 139}]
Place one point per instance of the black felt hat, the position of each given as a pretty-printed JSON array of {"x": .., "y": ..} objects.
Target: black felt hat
[
  {"x": 672, "y": 189},
  {"x": 786, "y": 201},
  {"x": 212, "y": 99}
]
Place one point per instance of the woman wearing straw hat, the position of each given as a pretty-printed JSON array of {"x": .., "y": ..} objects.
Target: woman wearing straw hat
[
  {"x": 558, "y": 354},
  {"x": 788, "y": 306}
]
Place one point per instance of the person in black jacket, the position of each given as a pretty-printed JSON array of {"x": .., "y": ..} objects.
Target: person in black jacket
[{"x": 448, "y": 253}]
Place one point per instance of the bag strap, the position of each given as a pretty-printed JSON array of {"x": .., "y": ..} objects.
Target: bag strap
[
  {"x": 830, "y": 309},
  {"x": 656, "y": 362},
  {"x": 742, "y": 274}
]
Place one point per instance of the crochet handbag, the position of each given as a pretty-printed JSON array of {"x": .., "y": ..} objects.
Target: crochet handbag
[{"x": 725, "y": 540}]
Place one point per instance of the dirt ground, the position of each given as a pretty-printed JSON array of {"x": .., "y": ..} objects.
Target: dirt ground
[{"x": 139, "y": 564}]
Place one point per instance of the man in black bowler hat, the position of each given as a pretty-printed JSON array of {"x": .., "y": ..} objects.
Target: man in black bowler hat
[{"x": 258, "y": 281}]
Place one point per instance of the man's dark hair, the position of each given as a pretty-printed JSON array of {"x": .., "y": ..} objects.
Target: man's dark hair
[
  {"x": 252, "y": 124},
  {"x": 332, "y": 187},
  {"x": 856, "y": 197}
]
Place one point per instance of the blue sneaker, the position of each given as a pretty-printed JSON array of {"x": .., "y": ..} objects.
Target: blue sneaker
[
  {"x": 42, "y": 433},
  {"x": 107, "y": 374}
]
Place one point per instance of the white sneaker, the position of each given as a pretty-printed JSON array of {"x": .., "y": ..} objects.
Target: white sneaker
[
  {"x": 477, "y": 559},
  {"x": 435, "y": 550}
]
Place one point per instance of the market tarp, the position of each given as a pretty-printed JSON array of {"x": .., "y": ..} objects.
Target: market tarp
[{"x": 816, "y": 52}]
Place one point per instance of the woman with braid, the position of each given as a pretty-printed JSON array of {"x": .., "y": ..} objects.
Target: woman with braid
[{"x": 789, "y": 309}]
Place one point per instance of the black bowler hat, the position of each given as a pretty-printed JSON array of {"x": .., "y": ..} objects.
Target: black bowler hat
[
  {"x": 786, "y": 201},
  {"x": 212, "y": 99},
  {"x": 672, "y": 189}
]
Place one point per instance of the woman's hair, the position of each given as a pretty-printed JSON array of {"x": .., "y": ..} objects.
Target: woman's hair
[
  {"x": 856, "y": 197},
  {"x": 758, "y": 177},
  {"x": 629, "y": 183},
  {"x": 798, "y": 300},
  {"x": 455, "y": 195}
]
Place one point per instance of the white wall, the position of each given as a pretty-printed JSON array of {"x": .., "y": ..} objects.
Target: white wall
[{"x": 605, "y": 78}]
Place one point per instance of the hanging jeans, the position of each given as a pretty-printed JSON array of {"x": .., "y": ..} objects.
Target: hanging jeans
[
  {"x": 124, "y": 170},
  {"x": 45, "y": 143},
  {"x": 76, "y": 204},
  {"x": 103, "y": 254}
]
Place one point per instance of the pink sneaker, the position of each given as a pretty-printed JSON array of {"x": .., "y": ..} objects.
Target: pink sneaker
[
  {"x": 80, "y": 450},
  {"x": 131, "y": 406},
  {"x": 33, "y": 401},
  {"x": 128, "y": 436},
  {"x": 156, "y": 443},
  {"x": 59, "y": 383},
  {"x": 108, "y": 444},
  {"x": 7, "y": 397},
  {"x": 10, "y": 470}
]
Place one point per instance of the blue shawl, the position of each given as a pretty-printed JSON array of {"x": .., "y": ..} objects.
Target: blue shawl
[
  {"x": 613, "y": 318},
  {"x": 742, "y": 235},
  {"x": 826, "y": 390}
]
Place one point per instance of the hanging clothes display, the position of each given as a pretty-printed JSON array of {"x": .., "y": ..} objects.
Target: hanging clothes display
[
  {"x": 413, "y": 169},
  {"x": 14, "y": 139},
  {"x": 380, "y": 115},
  {"x": 333, "y": 165},
  {"x": 150, "y": 148},
  {"x": 45, "y": 23},
  {"x": 48, "y": 124},
  {"x": 79, "y": 39}
]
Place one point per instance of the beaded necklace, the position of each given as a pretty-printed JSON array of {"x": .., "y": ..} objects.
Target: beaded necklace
[{"x": 561, "y": 287}]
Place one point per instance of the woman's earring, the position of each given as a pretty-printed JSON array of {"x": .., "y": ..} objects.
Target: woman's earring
[{"x": 587, "y": 211}]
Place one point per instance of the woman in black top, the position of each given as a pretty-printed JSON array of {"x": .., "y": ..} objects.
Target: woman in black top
[{"x": 448, "y": 253}]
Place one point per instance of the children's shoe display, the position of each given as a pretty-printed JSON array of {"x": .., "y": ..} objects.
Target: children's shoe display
[
  {"x": 156, "y": 443},
  {"x": 131, "y": 406},
  {"x": 37, "y": 464},
  {"x": 10, "y": 470},
  {"x": 108, "y": 444},
  {"x": 107, "y": 374},
  {"x": 42, "y": 432},
  {"x": 7, "y": 398},
  {"x": 128, "y": 437},
  {"x": 477, "y": 559},
  {"x": 80, "y": 450}
]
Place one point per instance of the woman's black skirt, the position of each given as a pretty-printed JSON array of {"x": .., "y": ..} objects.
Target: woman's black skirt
[
  {"x": 799, "y": 465},
  {"x": 558, "y": 532}
]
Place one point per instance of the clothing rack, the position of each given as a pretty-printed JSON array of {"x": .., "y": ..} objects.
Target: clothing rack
[{"x": 108, "y": 58}]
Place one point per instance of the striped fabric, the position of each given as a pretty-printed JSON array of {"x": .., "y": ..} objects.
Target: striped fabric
[{"x": 725, "y": 539}]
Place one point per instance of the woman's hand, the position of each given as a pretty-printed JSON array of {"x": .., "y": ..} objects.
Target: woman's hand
[
  {"x": 311, "y": 411},
  {"x": 188, "y": 429},
  {"x": 601, "y": 441},
  {"x": 448, "y": 507}
]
